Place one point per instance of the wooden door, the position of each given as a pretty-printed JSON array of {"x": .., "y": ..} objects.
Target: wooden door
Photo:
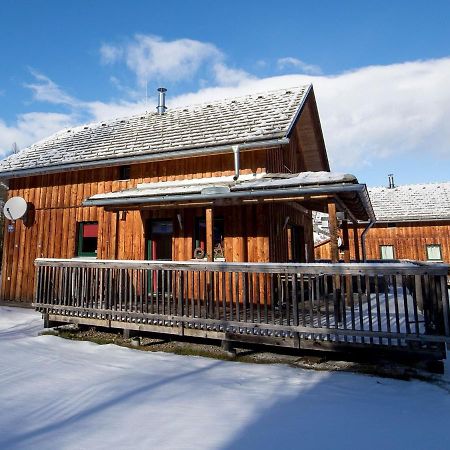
[{"x": 159, "y": 240}]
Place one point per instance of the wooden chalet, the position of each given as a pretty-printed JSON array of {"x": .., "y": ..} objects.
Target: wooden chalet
[
  {"x": 412, "y": 223},
  {"x": 197, "y": 222}
]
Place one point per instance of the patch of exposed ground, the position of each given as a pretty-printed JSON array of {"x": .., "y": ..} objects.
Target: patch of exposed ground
[{"x": 322, "y": 361}]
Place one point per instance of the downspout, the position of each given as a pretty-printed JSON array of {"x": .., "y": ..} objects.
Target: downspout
[
  {"x": 235, "y": 149},
  {"x": 363, "y": 239}
]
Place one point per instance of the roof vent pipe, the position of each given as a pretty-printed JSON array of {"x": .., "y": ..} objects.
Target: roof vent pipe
[
  {"x": 161, "y": 108},
  {"x": 391, "y": 181}
]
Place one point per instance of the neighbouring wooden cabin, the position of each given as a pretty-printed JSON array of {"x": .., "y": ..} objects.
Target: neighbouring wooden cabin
[
  {"x": 197, "y": 222},
  {"x": 412, "y": 222}
]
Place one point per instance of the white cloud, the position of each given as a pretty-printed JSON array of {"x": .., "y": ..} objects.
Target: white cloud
[
  {"x": 32, "y": 127},
  {"x": 226, "y": 76},
  {"x": 151, "y": 58},
  {"x": 110, "y": 54},
  {"x": 45, "y": 90},
  {"x": 291, "y": 62}
]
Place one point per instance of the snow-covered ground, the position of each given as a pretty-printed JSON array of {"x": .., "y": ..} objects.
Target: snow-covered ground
[{"x": 59, "y": 394}]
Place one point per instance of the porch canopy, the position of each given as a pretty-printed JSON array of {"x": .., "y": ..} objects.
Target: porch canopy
[{"x": 313, "y": 190}]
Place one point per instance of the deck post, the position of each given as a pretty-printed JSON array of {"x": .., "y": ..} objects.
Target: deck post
[
  {"x": 333, "y": 228},
  {"x": 209, "y": 222},
  {"x": 356, "y": 241},
  {"x": 210, "y": 234},
  {"x": 345, "y": 240},
  {"x": 346, "y": 248},
  {"x": 334, "y": 249}
]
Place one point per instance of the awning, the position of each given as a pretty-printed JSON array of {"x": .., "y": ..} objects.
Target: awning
[{"x": 311, "y": 189}]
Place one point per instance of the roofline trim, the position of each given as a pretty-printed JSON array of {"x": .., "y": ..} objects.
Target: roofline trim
[
  {"x": 161, "y": 156},
  {"x": 413, "y": 220},
  {"x": 299, "y": 110}
]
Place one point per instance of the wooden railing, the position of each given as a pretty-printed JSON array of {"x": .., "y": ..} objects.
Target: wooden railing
[{"x": 402, "y": 305}]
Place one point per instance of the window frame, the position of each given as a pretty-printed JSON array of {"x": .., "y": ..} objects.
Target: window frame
[
  {"x": 381, "y": 252},
  {"x": 78, "y": 251},
  {"x": 124, "y": 173},
  {"x": 427, "y": 246}
]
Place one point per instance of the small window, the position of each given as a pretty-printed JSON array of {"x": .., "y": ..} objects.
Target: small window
[
  {"x": 434, "y": 252},
  {"x": 87, "y": 238},
  {"x": 124, "y": 172},
  {"x": 200, "y": 236},
  {"x": 387, "y": 252}
]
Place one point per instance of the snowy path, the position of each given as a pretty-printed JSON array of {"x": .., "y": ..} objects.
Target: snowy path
[{"x": 59, "y": 394}]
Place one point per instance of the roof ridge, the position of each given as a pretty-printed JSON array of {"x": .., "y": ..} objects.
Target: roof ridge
[
  {"x": 431, "y": 183},
  {"x": 239, "y": 97}
]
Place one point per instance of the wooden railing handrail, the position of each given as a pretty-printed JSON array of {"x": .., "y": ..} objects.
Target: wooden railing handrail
[{"x": 381, "y": 268}]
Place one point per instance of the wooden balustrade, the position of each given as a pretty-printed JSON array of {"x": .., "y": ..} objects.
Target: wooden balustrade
[{"x": 402, "y": 305}]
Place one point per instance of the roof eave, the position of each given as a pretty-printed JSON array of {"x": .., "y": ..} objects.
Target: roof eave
[{"x": 275, "y": 140}]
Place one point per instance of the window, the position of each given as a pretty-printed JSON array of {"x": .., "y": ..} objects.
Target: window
[
  {"x": 434, "y": 252},
  {"x": 200, "y": 237},
  {"x": 124, "y": 173},
  {"x": 387, "y": 252},
  {"x": 87, "y": 238}
]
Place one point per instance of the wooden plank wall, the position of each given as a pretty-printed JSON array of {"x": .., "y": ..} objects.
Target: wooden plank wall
[
  {"x": 57, "y": 199},
  {"x": 409, "y": 240},
  {"x": 306, "y": 141}
]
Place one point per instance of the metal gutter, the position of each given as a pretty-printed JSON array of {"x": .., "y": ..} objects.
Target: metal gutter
[{"x": 161, "y": 156}]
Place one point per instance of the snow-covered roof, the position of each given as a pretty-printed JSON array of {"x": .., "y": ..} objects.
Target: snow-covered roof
[
  {"x": 411, "y": 202},
  {"x": 256, "y": 117},
  {"x": 300, "y": 185},
  {"x": 244, "y": 183}
]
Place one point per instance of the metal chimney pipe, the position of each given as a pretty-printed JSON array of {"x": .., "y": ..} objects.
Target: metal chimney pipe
[
  {"x": 161, "y": 108},
  {"x": 391, "y": 181}
]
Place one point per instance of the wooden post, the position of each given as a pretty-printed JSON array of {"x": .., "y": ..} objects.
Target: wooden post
[
  {"x": 356, "y": 241},
  {"x": 333, "y": 228},
  {"x": 210, "y": 234},
  {"x": 346, "y": 247},
  {"x": 345, "y": 239},
  {"x": 210, "y": 258}
]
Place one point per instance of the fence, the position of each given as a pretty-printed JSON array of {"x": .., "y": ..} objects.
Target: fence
[{"x": 402, "y": 305}]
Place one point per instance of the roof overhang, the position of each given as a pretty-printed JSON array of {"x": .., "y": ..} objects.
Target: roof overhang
[
  {"x": 148, "y": 157},
  {"x": 350, "y": 196}
]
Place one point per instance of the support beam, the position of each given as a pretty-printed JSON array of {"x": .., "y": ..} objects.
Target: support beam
[
  {"x": 345, "y": 239},
  {"x": 346, "y": 248},
  {"x": 356, "y": 241},
  {"x": 333, "y": 228},
  {"x": 210, "y": 234}
]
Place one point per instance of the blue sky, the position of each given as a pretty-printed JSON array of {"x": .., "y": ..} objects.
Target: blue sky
[{"x": 380, "y": 69}]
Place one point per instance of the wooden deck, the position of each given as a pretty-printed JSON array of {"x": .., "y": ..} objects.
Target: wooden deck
[{"x": 402, "y": 306}]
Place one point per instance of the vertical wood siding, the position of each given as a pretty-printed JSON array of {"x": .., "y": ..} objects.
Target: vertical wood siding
[
  {"x": 409, "y": 240},
  {"x": 56, "y": 202}
]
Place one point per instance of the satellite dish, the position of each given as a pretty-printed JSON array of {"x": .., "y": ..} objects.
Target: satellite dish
[{"x": 15, "y": 208}]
